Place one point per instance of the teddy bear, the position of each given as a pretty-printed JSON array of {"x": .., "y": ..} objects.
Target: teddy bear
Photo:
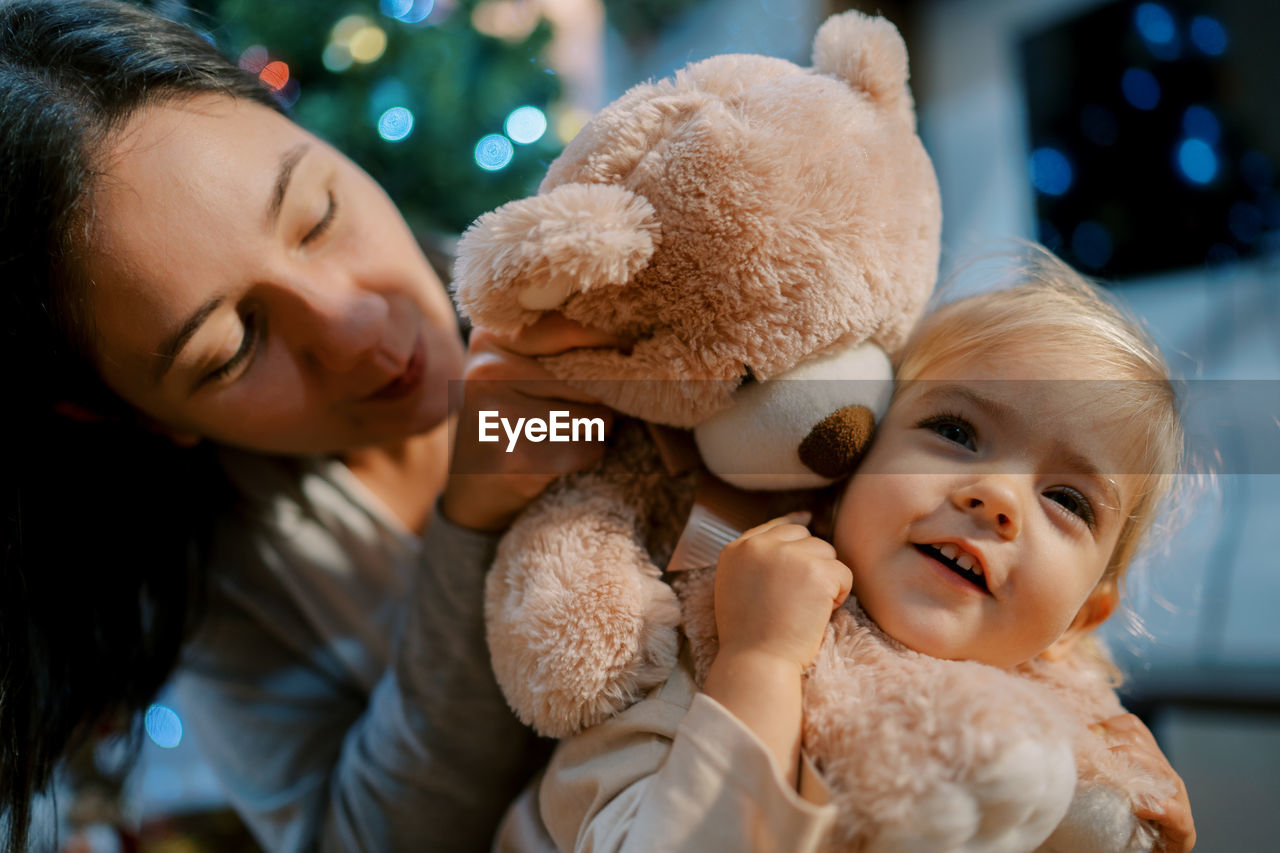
[{"x": 762, "y": 235}]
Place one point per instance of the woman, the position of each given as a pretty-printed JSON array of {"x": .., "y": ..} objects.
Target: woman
[{"x": 228, "y": 366}]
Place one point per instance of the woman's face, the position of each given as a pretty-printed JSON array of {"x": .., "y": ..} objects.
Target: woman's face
[{"x": 250, "y": 285}]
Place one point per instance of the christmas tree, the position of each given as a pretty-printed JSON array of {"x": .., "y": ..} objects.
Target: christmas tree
[{"x": 449, "y": 104}]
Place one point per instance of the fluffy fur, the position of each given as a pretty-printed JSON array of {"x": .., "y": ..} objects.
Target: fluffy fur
[{"x": 745, "y": 219}]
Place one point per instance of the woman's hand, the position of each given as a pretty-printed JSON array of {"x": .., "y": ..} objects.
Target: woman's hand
[
  {"x": 776, "y": 586},
  {"x": 487, "y": 485},
  {"x": 1127, "y": 734}
]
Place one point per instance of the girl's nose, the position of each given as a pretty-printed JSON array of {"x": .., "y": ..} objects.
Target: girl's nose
[{"x": 993, "y": 501}]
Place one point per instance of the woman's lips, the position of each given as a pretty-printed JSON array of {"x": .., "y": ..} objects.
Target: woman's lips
[{"x": 408, "y": 380}]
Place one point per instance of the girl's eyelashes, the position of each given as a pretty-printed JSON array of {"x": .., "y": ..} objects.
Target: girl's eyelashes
[
  {"x": 1073, "y": 502},
  {"x": 253, "y": 329},
  {"x": 953, "y": 428},
  {"x": 325, "y": 222}
]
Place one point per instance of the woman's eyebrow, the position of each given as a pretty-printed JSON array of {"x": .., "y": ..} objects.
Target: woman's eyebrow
[
  {"x": 288, "y": 161},
  {"x": 167, "y": 353}
]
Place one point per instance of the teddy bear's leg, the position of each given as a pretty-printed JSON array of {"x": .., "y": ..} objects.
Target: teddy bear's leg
[{"x": 579, "y": 622}]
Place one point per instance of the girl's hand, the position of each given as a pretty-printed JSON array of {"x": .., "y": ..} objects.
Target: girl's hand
[
  {"x": 488, "y": 486},
  {"x": 1127, "y": 734},
  {"x": 776, "y": 586}
]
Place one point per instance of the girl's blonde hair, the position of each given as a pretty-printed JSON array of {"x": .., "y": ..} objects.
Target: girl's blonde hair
[{"x": 1050, "y": 308}]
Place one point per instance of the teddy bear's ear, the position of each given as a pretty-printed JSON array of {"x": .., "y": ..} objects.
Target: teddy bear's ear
[
  {"x": 529, "y": 256},
  {"x": 868, "y": 54}
]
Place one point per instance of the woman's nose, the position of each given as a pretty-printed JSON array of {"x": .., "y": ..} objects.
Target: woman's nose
[
  {"x": 336, "y": 325},
  {"x": 993, "y": 501}
]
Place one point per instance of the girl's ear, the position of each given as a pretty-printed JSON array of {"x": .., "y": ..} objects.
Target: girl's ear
[{"x": 1100, "y": 604}]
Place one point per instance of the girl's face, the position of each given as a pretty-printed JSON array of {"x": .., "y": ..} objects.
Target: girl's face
[
  {"x": 250, "y": 285},
  {"x": 986, "y": 510}
]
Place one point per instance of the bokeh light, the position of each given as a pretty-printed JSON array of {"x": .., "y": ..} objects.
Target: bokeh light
[
  {"x": 1158, "y": 30},
  {"x": 345, "y": 30},
  {"x": 494, "y": 152},
  {"x": 1154, "y": 23},
  {"x": 408, "y": 11},
  {"x": 1208, "y": 35},
  {"x": 254, "y": 58},
  {"x": 525, "y": 125},
  {"x": 1051, "y": 171},
  {"x": 163, "y": 726},
  {"x": 506, "y": 19},
  {"x": 336, "y": 57},
  {"x": 274, "y": 75},
  {"x": 395, "y": 124},
  {"x": 368, "y": 44},
  {"x": 570, "y": 120},
  {"x": 1197, "y": 161},
  {"x": 1141, "y": 89},
  {"x": 1092, "y": 244},
  {"x": 1200, "y": 123}
]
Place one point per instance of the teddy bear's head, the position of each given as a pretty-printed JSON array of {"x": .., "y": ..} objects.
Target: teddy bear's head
[{"x": 735, "y": 221}]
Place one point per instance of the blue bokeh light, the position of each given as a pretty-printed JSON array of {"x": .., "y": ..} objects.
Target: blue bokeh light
[
  {"x": 1051, "y": 171},
  {"x": 1140, "y": 88},
  {"x": 494, "y": 152},
  {"x": 1154, "y": 23},
  {"x": 526, "y": 125},
  {"x": 163, "y": 726},
  {"x": 1197, "y": 161},
  {"x": 395, "y": 124},
  {"x": 1092, "y": 244},
  {"x": 408, "y": 11},
  {"x": 1208, "y": 35},
  {"x": 1200, "y": 123}
]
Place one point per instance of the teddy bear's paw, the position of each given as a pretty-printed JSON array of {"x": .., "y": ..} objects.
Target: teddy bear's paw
[
  {"x": 533, "y": 254},
  {"x": 578, "y": 621},
  {"x": 1008, "y": 805}
]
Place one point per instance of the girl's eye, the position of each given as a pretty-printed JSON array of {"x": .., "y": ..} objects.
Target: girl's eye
[
  {"x": 1073, "y": 502},
  {"x": 253, "y": 330},
  {"x": 325, "y": 221},
  {"x": 954, "y": 429}
]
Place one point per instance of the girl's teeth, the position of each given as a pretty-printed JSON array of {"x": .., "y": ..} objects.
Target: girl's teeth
[
  {"x": 949, "y": 551},
  {"x": 966, "y": 562}
]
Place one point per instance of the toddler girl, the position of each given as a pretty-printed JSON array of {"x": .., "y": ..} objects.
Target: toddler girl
[{"x": 1032, "y": 435}]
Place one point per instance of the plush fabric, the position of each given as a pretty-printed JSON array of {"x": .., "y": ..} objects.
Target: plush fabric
[{"x": 747, "y": 222}]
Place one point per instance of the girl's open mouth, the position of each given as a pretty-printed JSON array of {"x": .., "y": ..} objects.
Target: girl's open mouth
[{"x": 971, "y": 573}]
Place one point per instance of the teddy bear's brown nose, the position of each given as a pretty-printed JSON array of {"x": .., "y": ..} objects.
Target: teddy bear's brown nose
[{"x": 832, "y": 448}]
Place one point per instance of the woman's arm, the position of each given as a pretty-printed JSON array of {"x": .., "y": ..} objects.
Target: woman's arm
[{"x": 428, "y": 761}]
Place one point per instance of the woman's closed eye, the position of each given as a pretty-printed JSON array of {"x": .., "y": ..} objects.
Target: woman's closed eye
[
  {"x": 1073, "y": 502},
  {"x": 952, "y": 428},
  {"x": 254, "y": 328},
  {"x": 326, "y": 221}
]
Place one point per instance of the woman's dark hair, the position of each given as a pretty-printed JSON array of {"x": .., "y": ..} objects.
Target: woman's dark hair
[{"x": 102, "y": 523}]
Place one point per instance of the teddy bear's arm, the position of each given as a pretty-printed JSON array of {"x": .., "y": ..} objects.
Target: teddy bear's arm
[{"x": 579, "y": 622}]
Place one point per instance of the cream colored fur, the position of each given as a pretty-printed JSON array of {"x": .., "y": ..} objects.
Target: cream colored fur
[{"x": 742, "y": 219}]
